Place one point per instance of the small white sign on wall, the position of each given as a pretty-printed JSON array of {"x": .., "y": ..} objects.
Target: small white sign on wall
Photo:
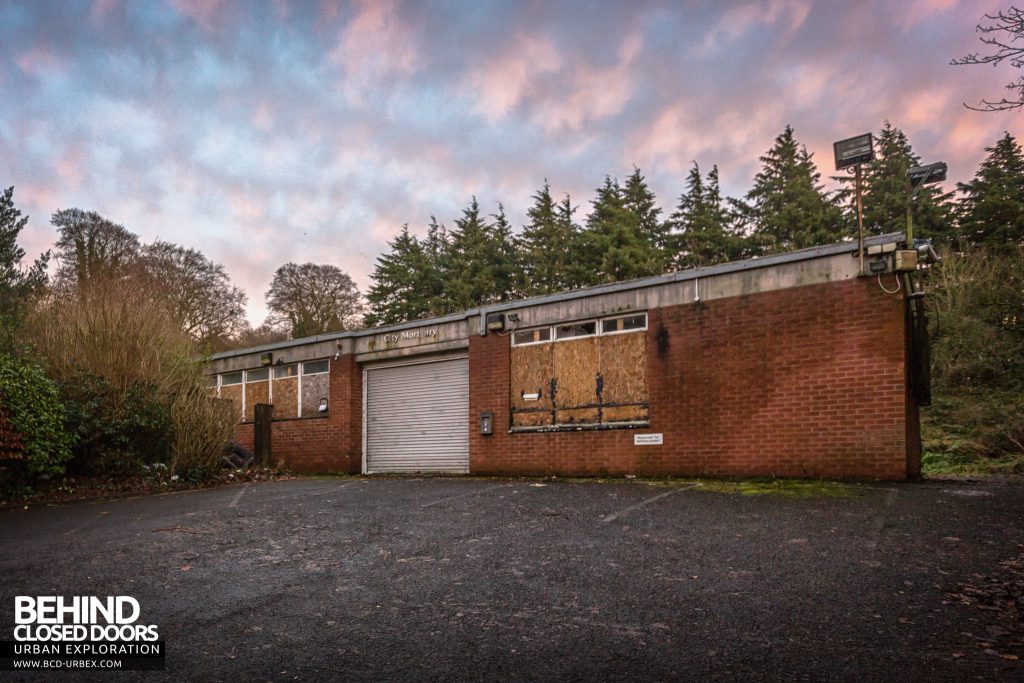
[{"x": 648, "y": 439}]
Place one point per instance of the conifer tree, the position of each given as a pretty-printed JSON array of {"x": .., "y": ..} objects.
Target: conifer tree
[
  {"x": 885, "y": 192},
  {"x": 471, "y": 275},
  {"x": 435, "y": 249},
  {"x": 788, "y": 207},
  {"x": 16, "y": 284},
  {"x": 613, "y": 247},
  {"x": 702, "y": 233},
  {"x": 398, "y": 293},
  {"x": 549, "y": 245},
  {"x": 503, "y": 258},
  {"x": 991, "y": 212},
  {"x": 639, "y": 200}
]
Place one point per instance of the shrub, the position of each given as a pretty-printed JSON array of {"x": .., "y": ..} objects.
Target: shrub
[
  {"x": 978, "y": 355},
  {"x": 115, "y": 433},
  {"x": 35, "y": 411},
  {"x": 128, "y": 374}
]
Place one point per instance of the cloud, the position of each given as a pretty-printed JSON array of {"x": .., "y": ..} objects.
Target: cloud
[
  {"x": 205, "y": 13},
  {"x": 376, "y": 47},
  {"x": 504, "y": 80},
  {"x": 312, "y": 132}
]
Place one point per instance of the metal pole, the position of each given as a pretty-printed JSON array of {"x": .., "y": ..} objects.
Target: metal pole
[
  {"x": 860, "y": 221},
  {"x": 910, "y": 214}
]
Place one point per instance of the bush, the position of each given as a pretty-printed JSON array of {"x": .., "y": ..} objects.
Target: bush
[
  {"x": 35, "y": 411},
  {"x": 978, "y": 356},
  {"x": 202, "y": 427},
  {"x": 134, "y": 390},
  {"x": 115, "y": 434}
]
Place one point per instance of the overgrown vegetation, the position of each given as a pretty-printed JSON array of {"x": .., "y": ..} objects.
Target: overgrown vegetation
[
  {"x": 134, "y": 391},
  {"x": 33, "y": 407},
  {"x": 978, "y": 361}
]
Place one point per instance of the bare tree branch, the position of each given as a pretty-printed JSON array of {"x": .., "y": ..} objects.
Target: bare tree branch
[{"x": 1004, "y": 33}]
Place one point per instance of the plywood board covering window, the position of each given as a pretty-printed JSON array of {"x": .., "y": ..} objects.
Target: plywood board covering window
[
  {"x": 531, "y": 382},
  {"x": 576, "y": 366},
  {"x": 255, "y": 392},
  {"x": 624, "y": 377},
  {"x": 233, "y": 393},
  {"x": 286, "y": 397},
  {"x": 314, "y": 388},
  {"x": 582, "y": 381}
]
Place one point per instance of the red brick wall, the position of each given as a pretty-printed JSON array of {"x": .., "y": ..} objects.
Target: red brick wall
[
  {"x": 801, "y": 382},
  {"x": 322, "y": 444}
]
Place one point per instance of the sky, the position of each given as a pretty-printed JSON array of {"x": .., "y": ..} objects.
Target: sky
[{"x": 267, "y": 132}]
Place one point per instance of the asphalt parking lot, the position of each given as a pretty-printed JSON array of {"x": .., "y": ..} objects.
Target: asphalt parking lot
[{"x": 441, "y": 579}]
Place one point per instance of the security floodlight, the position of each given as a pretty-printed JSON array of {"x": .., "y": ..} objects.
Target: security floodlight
[
  {"x": 854, "y": 151},
  {"x": 851, "y": 153},
  {"x": 930, "y": 173}
]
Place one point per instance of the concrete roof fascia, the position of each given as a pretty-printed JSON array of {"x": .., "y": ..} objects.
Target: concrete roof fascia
[{"x": 597, "y": 290}]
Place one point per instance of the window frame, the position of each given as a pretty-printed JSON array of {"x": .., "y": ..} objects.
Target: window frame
[
  {"x": 285, "y": 366},
  {"x": 325, "y": 371},
  {"x": 549, "y": 328},
  {"x": 643, "y": 328},
  {"x": 253, "y": 381},
  {"x": 598, "y": 329},
  {"x": 241, "y": 378},
  {"x": 594, "y": 321}
]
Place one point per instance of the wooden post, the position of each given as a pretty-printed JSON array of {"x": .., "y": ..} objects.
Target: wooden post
[{"x": 262, "y": 447}]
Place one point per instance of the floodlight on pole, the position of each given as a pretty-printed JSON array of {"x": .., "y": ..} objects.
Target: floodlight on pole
[
  {"x": 855, "y": 151},
  {"x": 918, "y": 177}
]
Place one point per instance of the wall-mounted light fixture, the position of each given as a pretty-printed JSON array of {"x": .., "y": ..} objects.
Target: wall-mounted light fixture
[{"x": 323, "y": 405}]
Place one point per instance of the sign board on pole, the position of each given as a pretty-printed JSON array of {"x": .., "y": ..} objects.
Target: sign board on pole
[{"x": 853, "y": 151}]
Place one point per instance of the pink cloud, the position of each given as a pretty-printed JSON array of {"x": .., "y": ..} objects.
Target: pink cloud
[
  {"x": 100, "y": 9},
  {"x": 505, "y": 79},
  {"x": 203, "y": 12},
  {"x": 377, "y": 45},
  {"x": 39, "y": 61},
  {"x": 742, "y": 18},
  {"x": 591, "y": 93},
  {"x": 69, "y": 167}
]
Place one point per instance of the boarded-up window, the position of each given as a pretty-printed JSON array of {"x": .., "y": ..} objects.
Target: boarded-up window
[
  {"x": 594, "y": 374},
  {"x": 257, "y": 390},
  {"x": 286, "y": 391},
  {"x": 314, "y": 386},
  {"x": 233, "y": 393}
]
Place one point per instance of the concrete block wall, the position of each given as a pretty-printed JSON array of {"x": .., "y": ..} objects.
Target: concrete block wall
[{"x": 801, "y": 382}]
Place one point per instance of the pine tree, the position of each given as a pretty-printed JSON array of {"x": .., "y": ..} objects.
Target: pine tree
[
  {"x": 613, "y": 247},
  {"x": 788, "y": 207},
  {"x": 702, "y": 233},
  {"x": 885, "y": 192},
  {"x": 470, "y": 275},
  {"x": 549, "y": 244},
  {"x": 16, "y": 284},
  {"x": 638, "y": 199},
  {"x": 398, "y": 294},
  {"x": 504, "y": 259},
  {"x": 991, "y": 212},
  {"x": 435, "y": 249}
]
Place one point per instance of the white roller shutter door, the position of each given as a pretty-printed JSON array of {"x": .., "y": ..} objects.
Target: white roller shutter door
[{"x": 417, "y": 417}]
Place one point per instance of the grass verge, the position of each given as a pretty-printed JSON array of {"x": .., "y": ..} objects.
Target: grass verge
[{"x": 938, "y": 465}]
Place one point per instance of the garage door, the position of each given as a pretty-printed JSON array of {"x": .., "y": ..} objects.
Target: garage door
[{"x": 417, "y": 417}]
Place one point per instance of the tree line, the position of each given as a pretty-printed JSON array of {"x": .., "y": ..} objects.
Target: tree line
[
  {"x": 626, "y": 235},
  {"x": 480, "y": 259}
]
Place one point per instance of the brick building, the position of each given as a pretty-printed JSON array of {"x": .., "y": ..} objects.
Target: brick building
[{"x": 791, "y": 365}]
